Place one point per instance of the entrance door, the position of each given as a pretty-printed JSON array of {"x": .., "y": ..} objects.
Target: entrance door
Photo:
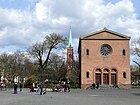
[
  {"x": 113, "y": 79},
  {"x": 98, "y": 78},
  {"x": 106, "y": 79}
]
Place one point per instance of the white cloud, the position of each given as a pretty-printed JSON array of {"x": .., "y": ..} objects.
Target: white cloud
[
  {"x": 20, "y": 29},
  {"x": 41, "y": 12},
  {"x": 61, "y": 20}
]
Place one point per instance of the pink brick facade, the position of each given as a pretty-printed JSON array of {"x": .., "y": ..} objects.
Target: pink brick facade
[{"x": 103, "y": 66}]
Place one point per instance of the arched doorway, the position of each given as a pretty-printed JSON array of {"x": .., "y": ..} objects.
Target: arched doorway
[
  {"x": 98, "y": 76},
  {"x": 106, "y": 76},
  {"x": 113, "y": 76}
]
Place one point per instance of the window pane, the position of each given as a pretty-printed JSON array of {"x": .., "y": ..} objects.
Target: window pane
[
  {"x": 87, "y": 51},
  {"x": 123, "y": 51},
  {"x": 124, "y": 74},
  {"x": 87, "y": 74}
]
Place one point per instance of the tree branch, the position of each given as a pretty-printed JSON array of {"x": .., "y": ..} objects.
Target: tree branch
[{"x": 136, "y": 63}]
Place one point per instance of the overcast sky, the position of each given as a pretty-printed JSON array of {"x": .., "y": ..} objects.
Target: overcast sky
[{"x": 24, "y": 22}]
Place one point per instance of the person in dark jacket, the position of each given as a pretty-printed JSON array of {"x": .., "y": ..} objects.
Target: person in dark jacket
[
  {"x": 20, "y": 86},
  {"x": 15, "y": 88},
  {"x": 97, "y": 86},
  {"x": 68, "y": 86}
]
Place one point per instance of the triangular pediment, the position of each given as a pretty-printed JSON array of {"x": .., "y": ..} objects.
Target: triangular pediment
[{"x": 105, "y": 34}]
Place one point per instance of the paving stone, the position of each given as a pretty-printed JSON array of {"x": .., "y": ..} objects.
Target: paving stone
[{"x": 75, "y": 97}]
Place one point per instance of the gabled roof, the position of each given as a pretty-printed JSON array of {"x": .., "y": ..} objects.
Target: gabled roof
[{"x": 121, "y": 36}]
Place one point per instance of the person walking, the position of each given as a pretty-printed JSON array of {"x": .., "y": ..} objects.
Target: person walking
[{"x": 31, "y": 87}]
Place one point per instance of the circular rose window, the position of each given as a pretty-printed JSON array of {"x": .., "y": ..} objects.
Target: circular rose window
[{"x": 105, "y": 49}]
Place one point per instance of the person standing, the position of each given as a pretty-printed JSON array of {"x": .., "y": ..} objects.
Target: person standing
[
  {"x": 65, "y": 86},
  {"x": 68, "y": 86},
  {"x": 33, "y": 86},
  {"x": 15, "y": 88},
  {"x": 97, "y": 86},
  {"x": 20, "y": 86}
]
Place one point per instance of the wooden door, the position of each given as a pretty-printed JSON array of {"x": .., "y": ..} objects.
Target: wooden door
[
  {"x": 113, "y": 79},
  {"x": 106, "y": 78},
  {"x": 98, "y": 78}
]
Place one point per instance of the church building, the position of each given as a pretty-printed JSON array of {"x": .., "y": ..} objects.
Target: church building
[
  {"x": 70, "y": 58},
  {"x": 104, "y": 58}
]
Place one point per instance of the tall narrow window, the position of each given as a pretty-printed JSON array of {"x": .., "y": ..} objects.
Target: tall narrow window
[
  {"x": 87, "y": 74},
  {"x": 123, "y": 52},
  {"x": 87, "y": 51},
  {"x": 124, "y": 74}
]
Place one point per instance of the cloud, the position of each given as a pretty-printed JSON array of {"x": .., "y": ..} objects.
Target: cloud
[
  {"x": 88, "y": 15},
  {"x": 14, "y": 27},
  {"x": 21, "y": 28}
]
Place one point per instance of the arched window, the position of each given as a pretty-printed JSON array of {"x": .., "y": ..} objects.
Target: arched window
[
  {"x": 123, "y": 52},
  {"x": 87, "y": 51},
  {"x": 87, "y": 74},
  {"x": 124, "y": 74}
]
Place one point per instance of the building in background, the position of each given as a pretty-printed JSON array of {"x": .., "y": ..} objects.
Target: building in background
[
  {"x": 70, "y": 58},
  {"x": 104, "y": 58}
]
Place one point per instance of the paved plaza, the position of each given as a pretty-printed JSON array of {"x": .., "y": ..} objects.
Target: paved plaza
[{"x": 75, "y": 97}]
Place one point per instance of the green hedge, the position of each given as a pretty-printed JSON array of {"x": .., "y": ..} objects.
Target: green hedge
[{"x": 75, "y": 85}]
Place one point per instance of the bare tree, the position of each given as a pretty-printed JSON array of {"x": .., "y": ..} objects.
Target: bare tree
[
  {"x": 12, "y": 64},
  {"x": 136, "y": 51},
  {"x": 76, "y": 71},
  {"x": 8, "y": 66},
  {"x": 15, "y": 65},
  {"x": 4, "y": 57},
  {"x": 56, "y": 69},
  {"x": 42, "y": 50}
]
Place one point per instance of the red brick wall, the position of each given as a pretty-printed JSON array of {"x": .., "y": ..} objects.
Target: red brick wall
[{"x": 116, "y": 60}]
